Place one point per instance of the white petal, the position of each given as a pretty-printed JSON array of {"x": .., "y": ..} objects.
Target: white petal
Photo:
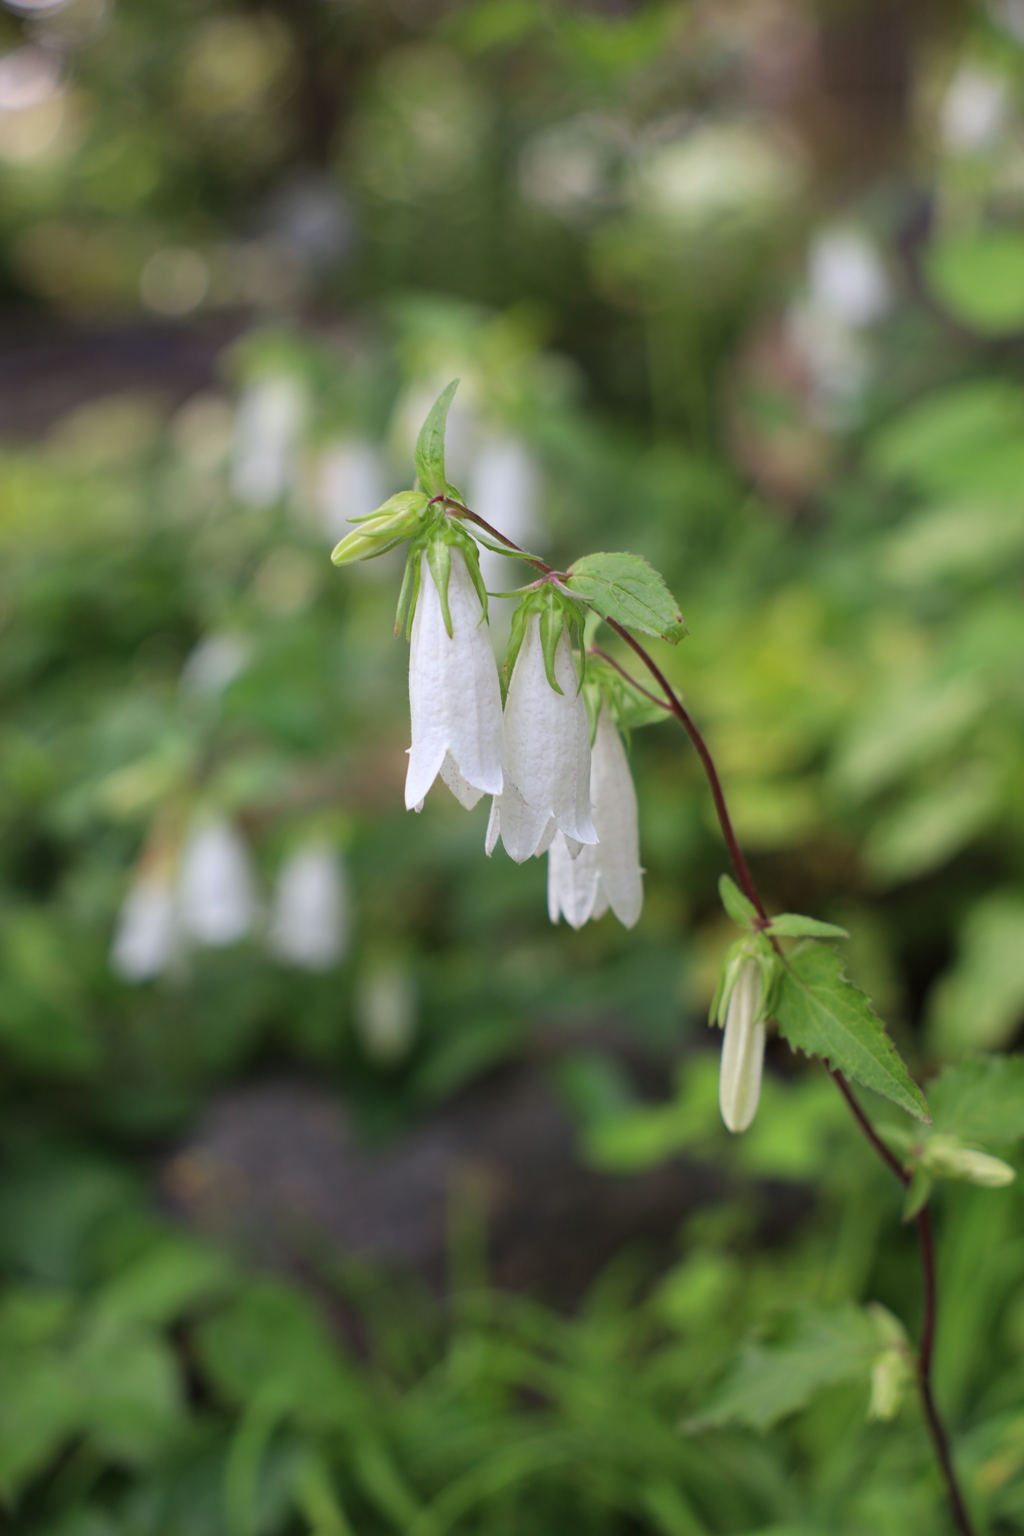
[
  {"x": 310, "y": 923},
  {"x": 144, "y": 937},
  {"x": 216, "y": 900},
  {"x": 739, "y": 1082},
  {"x": 547, "y": 746},
  {"x": 572, "y": 883},
  {"x": 464, "y": 793},
  {"x": 615, "y": 818},
  {"x": 525, "y": 829},
  {"x": 454, "y": 697}
]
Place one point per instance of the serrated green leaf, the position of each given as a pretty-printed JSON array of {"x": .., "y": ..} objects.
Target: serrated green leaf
[
  {"x": 739, "y": 908},
  {"x": 981, "y": 1099},
  {"x": 823, "y": 1014},
  {"x": 790, "y": 925},
  {"x": 429, "y": 455},
  {"x": 625, "y": 588},
  {"x": 816, "y": 1349}
]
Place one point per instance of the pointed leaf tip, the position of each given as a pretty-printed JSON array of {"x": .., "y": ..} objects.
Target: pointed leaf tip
[{"x": 429, "y": 455}]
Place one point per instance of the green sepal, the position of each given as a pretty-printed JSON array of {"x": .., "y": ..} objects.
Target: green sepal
[
  {"x": 739, "y": 907},
  {"x": 751, "y": 947},
  {"x": 790, "y": 925},
  {"x": 629, "y": 708},
  {"x": 429, "y": 454},
  {"x": 918, "y": 1191},
  {"x": 556, "y": 610},
  {"x": 409, "y": 593},
  {"x": 439, "y": 562}
]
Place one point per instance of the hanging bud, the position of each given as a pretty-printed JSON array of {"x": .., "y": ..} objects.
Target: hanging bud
[
  {"x": 947, "y": 1158},
  {"x": 742, "y": 1003},
  {"x": 309, "y": 925}
]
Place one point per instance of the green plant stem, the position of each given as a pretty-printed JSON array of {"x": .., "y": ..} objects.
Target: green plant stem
[{"x": 926, "y": 1245}]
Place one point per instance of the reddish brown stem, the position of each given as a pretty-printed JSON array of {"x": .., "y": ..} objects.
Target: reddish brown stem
[{"x": 926, "y": 1245}]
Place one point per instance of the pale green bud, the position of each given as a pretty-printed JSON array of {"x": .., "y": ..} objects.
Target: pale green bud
[
  {"x": 890, "y": 1377},
  {"x": 948, "y": 1158},
  {"x": 399, "y": 518}
]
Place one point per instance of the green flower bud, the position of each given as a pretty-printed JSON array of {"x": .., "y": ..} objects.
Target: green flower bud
[
  {"x": 948, "y": 1158},
  {"x": 399, "y": 518}
]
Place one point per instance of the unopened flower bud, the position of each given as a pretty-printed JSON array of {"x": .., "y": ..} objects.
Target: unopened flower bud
[
  {"x": 948, "y": 1158},
  {"x": 399, "y": 518},
  {"x": 739, "y": 1083}
]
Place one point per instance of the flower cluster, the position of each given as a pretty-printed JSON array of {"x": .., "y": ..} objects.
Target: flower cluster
[{"x": 552, "y": 790}]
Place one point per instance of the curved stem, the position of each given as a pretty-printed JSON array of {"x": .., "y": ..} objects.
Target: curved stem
[{"x": 926, "y": 1245}]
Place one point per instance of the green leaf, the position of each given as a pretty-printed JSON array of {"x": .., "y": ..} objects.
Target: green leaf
[
  {"x": 740, "y": 909},
  {"x": 823, "y": 1014},
  {"x": 429, "y": 456},
  {"x": 980, "y": 278},
  {"x": 980, "y": 1100},
  {"x": 918, "y": 1191},
  {"x": 439, "y": 562},
  {"x": 625, "y": 588},
  {"x": 979, "y": 1003},
  {"x": 817, "y": 1348},
  {"x": 790, "y": 925}
]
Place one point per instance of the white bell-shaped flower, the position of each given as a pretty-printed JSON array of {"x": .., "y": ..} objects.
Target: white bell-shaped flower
[
  {"x": 144, "y": 938},
  {"x": 454, "y": 696},
  {"x": 739, "y": 1082},
  {"x": 310, "y": 920},
  {"x": 547, "y": 755},
  {"x": 607, "y": 874},
  {"x": 216, "y": 894},
  {"x": 267, "y": 427}
]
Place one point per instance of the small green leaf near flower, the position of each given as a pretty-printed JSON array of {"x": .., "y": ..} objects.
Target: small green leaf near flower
[{"x": 625, "y": 588}]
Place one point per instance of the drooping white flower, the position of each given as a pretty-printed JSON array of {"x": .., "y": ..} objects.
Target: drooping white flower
[
  {"x": 605, "y": 874},
  {"x": 310, "y": 919},
  {"x": 266, "y": 433},
  {"x": 739, "y": 1082},
  {"x": 547, "y": 755},
  {"x": 216, "y": 895},
  {"x": 143, "y": 943},
  {"x": 454, "y": 697}
]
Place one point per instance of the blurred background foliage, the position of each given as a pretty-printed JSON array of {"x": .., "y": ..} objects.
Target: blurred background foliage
[{"x": 737, "y": 285}]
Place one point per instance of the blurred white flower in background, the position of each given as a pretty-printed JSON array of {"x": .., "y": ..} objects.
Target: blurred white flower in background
[
  {"x": 216, "y": 894},
  {"x": 385, "y": 1009},
  {"x": 504, "y": 489},
  {"x": 351, "y": 482},
  {"x": 310, "y": 922},
  {"x": 268, "y": 423},
  {"x": 975, "y": 109},
  {"x": 569, "y": 168},
  {"x": 729, "y": 173},
  {"x": 145, "y": 932},
  {"x": 605, "y": 874},
  {"x": 214, "y": 663},
  {"x": 847, "y": 291}
]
